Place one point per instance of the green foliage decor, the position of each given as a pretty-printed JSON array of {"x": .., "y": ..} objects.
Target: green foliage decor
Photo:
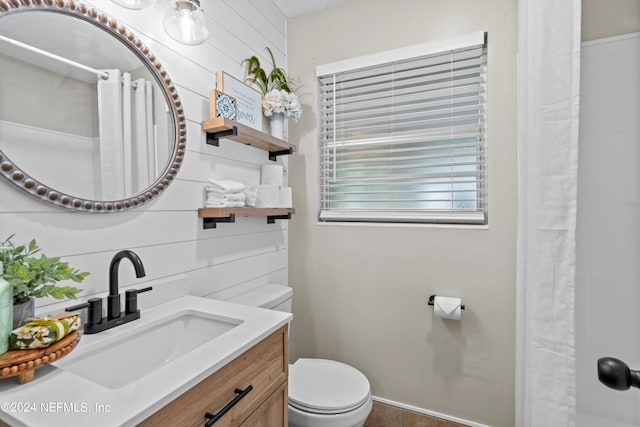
[
  {"x": 33, "y": 276},
  {"x": 276, "y": 79},
  {"x": 277, "y": 95}
]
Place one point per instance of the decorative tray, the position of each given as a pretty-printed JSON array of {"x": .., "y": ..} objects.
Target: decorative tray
[{"x": 23, "y": 363}]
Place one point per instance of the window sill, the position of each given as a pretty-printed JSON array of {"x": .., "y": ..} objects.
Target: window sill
[{"x": 481, "y": 227}]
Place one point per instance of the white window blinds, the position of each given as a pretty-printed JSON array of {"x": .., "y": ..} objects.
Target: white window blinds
[{"x": 404, "y": 140}]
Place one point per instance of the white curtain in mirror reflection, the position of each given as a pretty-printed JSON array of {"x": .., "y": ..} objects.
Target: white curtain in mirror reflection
[{"x": 129, "y": 152}]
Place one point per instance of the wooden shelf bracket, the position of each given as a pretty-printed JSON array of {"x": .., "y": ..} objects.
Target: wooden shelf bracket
[
  {"x": 212, "y": 216},
  {"x": 208, "y": 223},
  {"x": 213, "y": 138},
  {"x": 271, "y": 219},
  {"x": 273, "y": 155}
]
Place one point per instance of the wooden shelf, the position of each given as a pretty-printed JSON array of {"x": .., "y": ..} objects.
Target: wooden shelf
[
  {"x": 217, "y": 128},
  {"x": 224, "y": 128},
  {"x": 212, "y": 216}
]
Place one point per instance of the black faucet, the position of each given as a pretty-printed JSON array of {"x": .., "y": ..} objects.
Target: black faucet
[
  {"x": 115, "y": 317},
  {"x": 113, "y": 300}
]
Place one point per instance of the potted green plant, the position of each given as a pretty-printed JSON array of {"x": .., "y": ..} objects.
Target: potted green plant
[
  {"x": 279, "y": 100},
  {"x": 276, "y": 79},
  {"x": 32, "y": 274}
]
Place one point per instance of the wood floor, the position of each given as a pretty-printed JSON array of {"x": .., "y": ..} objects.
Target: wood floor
[{"x": 384, "y": 415}]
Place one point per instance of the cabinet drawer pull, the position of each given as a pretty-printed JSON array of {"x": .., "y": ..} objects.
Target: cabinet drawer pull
[{"x": 215, "y": 417}]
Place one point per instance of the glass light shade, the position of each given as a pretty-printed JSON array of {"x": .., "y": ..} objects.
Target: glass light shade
[
  {"x": 134, "y": 4},
  {"x": 186, "y": 23}
]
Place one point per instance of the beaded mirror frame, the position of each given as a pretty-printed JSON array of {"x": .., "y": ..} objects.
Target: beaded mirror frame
[{"x": 18, "y": 177}]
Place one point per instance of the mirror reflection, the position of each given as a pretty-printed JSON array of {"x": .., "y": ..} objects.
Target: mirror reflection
[{"x": 79, "y": 111}]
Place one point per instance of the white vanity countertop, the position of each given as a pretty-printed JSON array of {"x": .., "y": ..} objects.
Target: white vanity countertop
[{"x": 57, "y": 397}]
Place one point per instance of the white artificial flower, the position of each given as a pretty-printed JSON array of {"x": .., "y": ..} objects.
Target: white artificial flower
[{"x": 281, "y": 101}]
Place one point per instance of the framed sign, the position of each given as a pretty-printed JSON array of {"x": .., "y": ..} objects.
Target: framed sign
[
  {"x": 226, "y": 106},
  {"x": 248, "y": 100}
]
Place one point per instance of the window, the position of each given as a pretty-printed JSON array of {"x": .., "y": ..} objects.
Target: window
[{"x": 403, "y": 135}]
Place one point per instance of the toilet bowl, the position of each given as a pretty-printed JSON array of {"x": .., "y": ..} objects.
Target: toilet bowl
[
  {"x": 327, "y": 393},
  {"x": 322, "y": 393}
]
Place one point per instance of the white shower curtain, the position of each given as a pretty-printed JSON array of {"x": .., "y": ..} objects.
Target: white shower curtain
[
  {"x": 127, "y": 137},
  {"x": 548, "y": 105},
  {"x": 144, "y": 149}
]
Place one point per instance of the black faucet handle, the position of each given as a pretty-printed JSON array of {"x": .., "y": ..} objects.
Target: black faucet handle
[
  {"x": 113, "y": 306},
  {"x": 94, "y": 312},
  {"x": 131, "y": 299},
  {"x": 77, "y": 307}
]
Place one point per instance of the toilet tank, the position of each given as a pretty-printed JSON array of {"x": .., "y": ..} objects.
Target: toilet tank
[{"x": 271, "y": 296}]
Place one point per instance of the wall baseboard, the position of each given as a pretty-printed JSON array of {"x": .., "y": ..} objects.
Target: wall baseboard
[{"x": 428, "y": 412}]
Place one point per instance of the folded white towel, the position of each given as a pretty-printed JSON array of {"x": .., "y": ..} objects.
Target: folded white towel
[
  {"x": 215, "y": 192},
  {"x": 231, "y": 197},
  {"x": 224, "y": 204},
  {"x": 251, "y": 193},
  {"x": 225, "y": 186},
  {"x": 215, "y": 189}
]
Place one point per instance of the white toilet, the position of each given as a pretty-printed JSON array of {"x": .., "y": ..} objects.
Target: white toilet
[{"x": 322, "y": 393}]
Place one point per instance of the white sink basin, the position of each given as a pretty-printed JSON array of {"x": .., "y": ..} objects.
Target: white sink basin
[{"x": 127, "y": 357}]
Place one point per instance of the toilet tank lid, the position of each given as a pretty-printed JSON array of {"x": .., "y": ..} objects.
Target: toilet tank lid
[{"x": 267, "y": 296}]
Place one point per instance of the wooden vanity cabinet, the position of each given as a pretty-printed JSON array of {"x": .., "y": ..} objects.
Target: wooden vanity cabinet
[
  {"x": 264, "y": 367},
  {"x": 273, "y": 412}
]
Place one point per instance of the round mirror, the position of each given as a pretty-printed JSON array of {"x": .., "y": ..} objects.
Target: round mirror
[{"x": 89, "y": 119}]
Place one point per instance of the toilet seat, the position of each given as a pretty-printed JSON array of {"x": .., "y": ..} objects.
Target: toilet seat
[{"x": 322, "y": 386}]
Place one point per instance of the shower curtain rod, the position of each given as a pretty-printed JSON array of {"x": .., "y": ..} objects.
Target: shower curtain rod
[{"x": 13, "y": 42}]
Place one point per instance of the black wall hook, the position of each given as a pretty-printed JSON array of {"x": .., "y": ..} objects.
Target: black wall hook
[{"x": 432, "y": 301}]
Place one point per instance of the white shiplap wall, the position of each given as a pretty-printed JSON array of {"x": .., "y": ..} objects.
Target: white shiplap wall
[{"x": 166, "y": 233}]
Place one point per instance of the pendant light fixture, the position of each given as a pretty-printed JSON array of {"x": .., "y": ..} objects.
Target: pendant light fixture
[
  {"x": 185, "y": 22},
  {"x": 134, "y": 4}
]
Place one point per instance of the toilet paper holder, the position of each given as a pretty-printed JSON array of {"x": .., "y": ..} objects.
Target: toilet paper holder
[{"x": 432, "y": 299}]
